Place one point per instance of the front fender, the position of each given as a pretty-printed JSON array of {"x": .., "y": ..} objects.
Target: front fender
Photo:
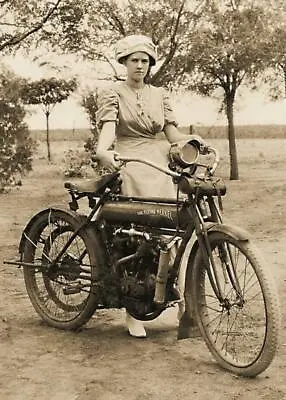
[
  {"x": 232, "y": 230},
  {"x": 80, "y": 218}
]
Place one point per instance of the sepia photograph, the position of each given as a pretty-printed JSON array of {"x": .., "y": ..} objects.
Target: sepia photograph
[{"x": 142, "y": 198}]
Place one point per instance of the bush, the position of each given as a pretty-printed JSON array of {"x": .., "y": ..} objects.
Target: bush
[
  {"x": 77, "y": 163},
  {"x": 16, "y": 147},
  {"x": 89, "y": 103}
]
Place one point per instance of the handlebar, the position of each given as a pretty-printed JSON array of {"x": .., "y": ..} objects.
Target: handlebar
[{"x": 167, "y": 171}]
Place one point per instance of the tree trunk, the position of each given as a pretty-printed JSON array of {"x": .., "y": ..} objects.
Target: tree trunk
[
  {"x": 48, "y": 136},
  {"x": 231, "y": 138},
  {"x": 284, "y": 72}
]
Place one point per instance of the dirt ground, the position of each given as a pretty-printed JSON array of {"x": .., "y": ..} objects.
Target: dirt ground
[{"x": 101, "y": 362}]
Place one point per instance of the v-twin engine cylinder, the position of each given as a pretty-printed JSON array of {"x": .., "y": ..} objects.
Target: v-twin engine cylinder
[{"x": 145, "y": 213}]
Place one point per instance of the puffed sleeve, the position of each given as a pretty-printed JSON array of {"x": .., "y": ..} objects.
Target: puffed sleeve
[
  {"x": 169, "y": 117},
  {"x": 107, "y": 107}
]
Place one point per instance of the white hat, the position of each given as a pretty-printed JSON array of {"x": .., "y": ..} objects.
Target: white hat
[{"x": 132, "y": 44}]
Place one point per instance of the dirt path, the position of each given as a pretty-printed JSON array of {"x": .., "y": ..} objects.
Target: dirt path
[{"x": 101, "y": 362}]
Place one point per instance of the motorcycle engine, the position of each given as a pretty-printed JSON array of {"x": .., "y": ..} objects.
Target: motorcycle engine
[{"x": 136, "y": 260}]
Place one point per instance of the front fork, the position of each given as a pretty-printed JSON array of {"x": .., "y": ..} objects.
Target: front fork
[{"x": 225, "y": 254}]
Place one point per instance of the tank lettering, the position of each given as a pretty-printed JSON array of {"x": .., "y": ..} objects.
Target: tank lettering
[{"x": 157, "y": 212}]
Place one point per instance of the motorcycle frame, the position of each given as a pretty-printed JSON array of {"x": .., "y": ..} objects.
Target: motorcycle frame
[{"x": 197, "y": 225}]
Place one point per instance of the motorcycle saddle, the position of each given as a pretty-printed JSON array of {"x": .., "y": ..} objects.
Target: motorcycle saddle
[{"x": 94, "y": 186}]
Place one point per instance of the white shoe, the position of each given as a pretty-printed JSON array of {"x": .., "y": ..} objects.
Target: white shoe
[{"x": 135, "y": 327}]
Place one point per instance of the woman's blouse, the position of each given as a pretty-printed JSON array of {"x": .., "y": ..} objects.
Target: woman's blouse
[{"x": 137, "y": 113}]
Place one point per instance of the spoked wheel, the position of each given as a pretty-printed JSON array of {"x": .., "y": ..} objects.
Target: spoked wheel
[
  {"x": 241, "y": 328},
  {"x": 61, "y": 280},
  {"x": 61, "y": 284}
]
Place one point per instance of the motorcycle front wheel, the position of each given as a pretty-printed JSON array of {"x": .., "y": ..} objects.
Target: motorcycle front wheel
[
  {"x": 63, "y": 292},
  {"x": 240, "y": 328}
]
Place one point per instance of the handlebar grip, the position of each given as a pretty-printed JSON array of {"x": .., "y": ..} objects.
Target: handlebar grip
[{"x": 216, "y": 159}]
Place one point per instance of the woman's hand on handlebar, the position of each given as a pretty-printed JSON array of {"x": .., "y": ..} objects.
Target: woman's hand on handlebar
[{"x": 108, "y": 159}]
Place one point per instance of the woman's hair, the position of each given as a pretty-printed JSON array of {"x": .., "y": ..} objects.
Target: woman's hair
[{"x": 147, "y": 77}]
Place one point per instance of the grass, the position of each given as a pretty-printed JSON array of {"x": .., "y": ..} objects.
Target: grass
[{"x": 211, "y": 132}]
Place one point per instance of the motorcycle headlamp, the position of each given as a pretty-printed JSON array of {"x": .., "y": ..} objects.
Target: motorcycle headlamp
[{"x": 184, "y": 154}]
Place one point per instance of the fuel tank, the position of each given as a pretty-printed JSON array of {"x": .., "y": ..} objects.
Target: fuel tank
[{"x": 145, "y": 213}]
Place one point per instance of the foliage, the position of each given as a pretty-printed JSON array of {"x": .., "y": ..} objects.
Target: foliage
[
  {"x": 47, "y": 93},
  {"x": 203, "y": 44},
  {"x": 277, "y": 79},
  {"x": 77, "y": 163},
  {"x": 89, "y": 103},
  {"x": 232, "y": 45},
  {"x": 16, "y": 146},
  {"x": 22, "y": 19},
  {"x": 275, "y": 75},
  {"x": 90, "y": 29}
]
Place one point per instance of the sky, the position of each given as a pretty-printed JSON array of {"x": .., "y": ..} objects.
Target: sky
[{"x": 251, "y": 107}]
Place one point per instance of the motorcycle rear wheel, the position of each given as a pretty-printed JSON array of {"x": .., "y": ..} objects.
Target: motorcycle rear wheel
[
  {"x": 241, "y": 329},
  {"x": 64, "y": 293}
]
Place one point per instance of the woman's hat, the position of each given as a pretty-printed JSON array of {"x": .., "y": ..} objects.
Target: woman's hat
[{"x": 132, "y": 44}]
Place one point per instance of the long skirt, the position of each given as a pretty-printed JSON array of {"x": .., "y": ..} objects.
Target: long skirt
[{"x": 141, "y": 179}]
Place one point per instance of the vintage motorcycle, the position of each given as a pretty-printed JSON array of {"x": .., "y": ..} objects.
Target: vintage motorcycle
[{"x": 118, "y": 255}]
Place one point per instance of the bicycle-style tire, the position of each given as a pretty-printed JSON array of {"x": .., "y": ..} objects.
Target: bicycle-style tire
[
  {"x": 241, "y": 331},
  {"x": 46, "y": 286}
]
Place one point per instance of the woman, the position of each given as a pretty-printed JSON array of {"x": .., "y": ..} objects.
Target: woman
[{"x": 131, "y": 116}]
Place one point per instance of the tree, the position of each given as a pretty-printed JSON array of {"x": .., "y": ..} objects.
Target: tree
[
  {"x": 276, "y": 78},
  {"x": 231, "y": 46},
  {"x": 280, "y": 56},
  {"x": 16, "y": 146},
  {"x": 89, "y": 29},
  {"x": 221, "y": 43},
  {"x": 21, "y": 19},
  {"x": 48, "y": 93}
]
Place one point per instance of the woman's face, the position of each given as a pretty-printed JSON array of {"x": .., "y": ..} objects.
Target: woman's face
[{"x": 137, "y": 65}]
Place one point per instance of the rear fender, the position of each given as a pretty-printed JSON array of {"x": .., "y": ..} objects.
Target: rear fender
[{"x": 80, "y": 219}]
